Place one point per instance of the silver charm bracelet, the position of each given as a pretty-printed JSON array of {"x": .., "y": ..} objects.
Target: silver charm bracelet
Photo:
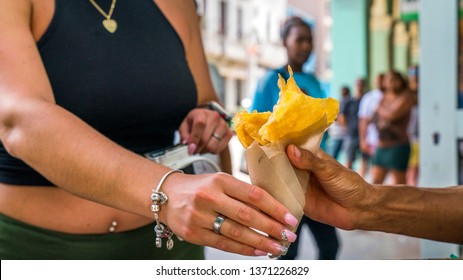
[{"x": 159, "y": 198}]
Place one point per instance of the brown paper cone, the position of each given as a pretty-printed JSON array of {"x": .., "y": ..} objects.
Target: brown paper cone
[{"x": 270, "y": 169}]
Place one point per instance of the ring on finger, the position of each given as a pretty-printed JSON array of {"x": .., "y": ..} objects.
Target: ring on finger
[
  {"x": 218, "y": 223},
  {"x": 216, "y": 136}
]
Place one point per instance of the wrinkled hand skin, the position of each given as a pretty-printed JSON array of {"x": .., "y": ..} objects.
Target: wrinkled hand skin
[{"x": 336, "y": 195}]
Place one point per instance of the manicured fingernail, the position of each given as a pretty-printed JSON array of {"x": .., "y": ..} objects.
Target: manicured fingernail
[
  {"x": 260, "y": 253},
  {"x": 288, "y": 235},
  {"x": 291, "y": 220},
  {"x": 192, "y": 148},
  {"x": 297, "y": 152},
  {"x": 282, "y": 250},
  {"x": 184, "y": 142}
]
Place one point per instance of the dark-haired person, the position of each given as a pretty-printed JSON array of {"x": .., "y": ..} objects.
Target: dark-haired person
[
  {"x": 337, "y": 131},
  {"x": 349, "y": 114},
  {"x": 297, "y": 39},
  {"x": 391, "y": 119},
  {"x": 368, "y": 133},
  {"x": 86, "y": 89}
]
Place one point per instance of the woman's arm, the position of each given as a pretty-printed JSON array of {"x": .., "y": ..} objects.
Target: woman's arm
[
  {"x": 341, "y": 198},
  {"x": 50, "y": 139},
  {"x": 398, "y": 110}
]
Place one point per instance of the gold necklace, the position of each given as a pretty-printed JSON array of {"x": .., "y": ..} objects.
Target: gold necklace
[{"x": 109, "y": 23}]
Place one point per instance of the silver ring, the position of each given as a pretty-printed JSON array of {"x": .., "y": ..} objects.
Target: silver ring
[
  {"x": 218, "y": 223},
  {"x": 218, "y": 137}
]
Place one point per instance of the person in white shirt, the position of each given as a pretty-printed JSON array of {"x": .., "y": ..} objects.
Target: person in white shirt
[{"x": 367, "y": 131}]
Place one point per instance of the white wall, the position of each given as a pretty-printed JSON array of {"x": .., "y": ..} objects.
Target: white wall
[{"x": 438, "y": 103}]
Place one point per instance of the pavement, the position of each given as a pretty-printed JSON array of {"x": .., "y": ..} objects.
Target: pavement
[{"x": 354, "y": 245}]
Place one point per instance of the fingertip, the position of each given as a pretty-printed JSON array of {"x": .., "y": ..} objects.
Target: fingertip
[
  {"x": 192, "y": 148},
  {"x": 294, "y": 151},
  {"x": 290, "y": 219}
]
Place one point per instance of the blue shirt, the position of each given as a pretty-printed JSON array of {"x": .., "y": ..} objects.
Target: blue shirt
[{"x": 267, "y": 92}]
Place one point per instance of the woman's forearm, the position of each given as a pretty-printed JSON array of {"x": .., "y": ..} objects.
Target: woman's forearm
[
  {"x": 77, "y": 158},
  {"x": 421, "y": 212}
]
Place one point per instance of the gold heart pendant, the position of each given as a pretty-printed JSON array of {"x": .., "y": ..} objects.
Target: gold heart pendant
[{"x": 110, "y": 25}]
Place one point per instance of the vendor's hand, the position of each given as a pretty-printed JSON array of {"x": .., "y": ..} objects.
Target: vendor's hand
[
  {"x": 336, "y": 195},
  {"x": 196, "y": 200},
  {"x": 205, "y": 131}
]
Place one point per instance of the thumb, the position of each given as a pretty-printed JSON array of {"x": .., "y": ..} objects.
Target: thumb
[{"x": 302, "y": 159}]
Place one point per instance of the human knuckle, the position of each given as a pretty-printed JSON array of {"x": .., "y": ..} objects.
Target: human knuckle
[
  {"x": 203, "y": 195},
  {"x": 278, "y": 210},
  {"x": 218, "y": 179},
  {"x": 211, "y": 147},
  {"x": 262, "y": 242},
  {"x": 234, "y": 231},
  {"x": 272, "y": 229},
  {"x": 255, "y": 193},
  {"x": 222, "y": 244},
  {"x": 245, "y": 214},
  {"x": 246, "y": 251},
  {"x": 200, "y": 121},
  {"x": 215, "y": 115}
]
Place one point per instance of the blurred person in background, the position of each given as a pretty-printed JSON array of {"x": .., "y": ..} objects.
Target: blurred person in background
[
  {"x": 368, "y": 133},
  {"x": 391, "y": 118},
  {"x": 337, "y": 132},
  {"x": 413, "y": 128},
  {"x": 350, "y": 118},
  {"x": 297, "y": 39}
]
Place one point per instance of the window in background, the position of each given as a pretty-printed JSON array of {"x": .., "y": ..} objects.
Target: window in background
[
  {"x": 223, "y": 18},
  {"x": 239, "y": 16}
]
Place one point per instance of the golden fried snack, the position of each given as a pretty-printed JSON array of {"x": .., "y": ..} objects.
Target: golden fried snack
[
  {"x": 295, "y": 115},
  {"x": 247, "y": 126}
]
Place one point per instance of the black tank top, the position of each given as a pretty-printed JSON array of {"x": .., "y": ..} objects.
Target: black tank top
[{"x": 134, "y": 86}]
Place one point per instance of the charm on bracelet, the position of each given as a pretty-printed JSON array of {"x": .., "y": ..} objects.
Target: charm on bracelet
[{"x": 159, "y": 198}]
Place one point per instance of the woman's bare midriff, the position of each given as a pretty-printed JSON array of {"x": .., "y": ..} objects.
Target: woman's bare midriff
[{"x": 55, "y": 209}]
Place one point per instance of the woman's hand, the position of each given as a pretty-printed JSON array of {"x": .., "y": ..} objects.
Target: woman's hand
[
  {"x": 205, "y": 131},
  {"x": 336, "y": 195},
  {"x": 196, "y": 200}
]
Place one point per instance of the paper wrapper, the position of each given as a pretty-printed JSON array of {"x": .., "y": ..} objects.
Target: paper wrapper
[{"x": 270, "y": 169}]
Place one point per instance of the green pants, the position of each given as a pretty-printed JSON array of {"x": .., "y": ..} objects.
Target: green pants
[{"x": 23, "y": 241}]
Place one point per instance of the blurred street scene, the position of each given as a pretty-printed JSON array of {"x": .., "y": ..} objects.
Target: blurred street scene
[{"x": 358, "y": 49}]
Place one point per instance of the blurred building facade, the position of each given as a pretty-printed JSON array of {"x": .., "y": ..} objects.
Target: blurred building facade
[
  {"x": 242, "y": 39},
  {"x": 371, "y": 37}
]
